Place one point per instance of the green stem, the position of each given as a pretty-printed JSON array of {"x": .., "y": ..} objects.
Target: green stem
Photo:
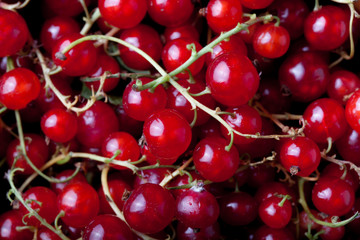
[
  {"x": 3, "y": 109},
  {"x": 228, "y": 147},
  {"x": 9, "y": 64},
  {"x": 203, "y": 92},
  {"x": 90, "y": 21}
]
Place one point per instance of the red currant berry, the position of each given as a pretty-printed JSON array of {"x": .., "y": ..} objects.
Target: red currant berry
[
  {"x": 349, "y": 146},
  {"x": 333, "y": 196},
  {"x": 352, "y": 111},
  {"x": 14, "y": 32},
  {"x": 265, "y": 232},
  {"x": 154, "y": 176},
  {"x": 326, "y": 28},
  {"x": 139, "y": 105},
  {"x": 45, "y": 233},
  {"x": 152, "y": 159},
  {"x": 224, "y": 76},
  {"x": 145, "y": 38},
  {"x": 123, "y": 13},
  {"x": 167, "y": 133},
  {"x": 300, "y": 156},
  {"x": 9, "y": 221},
  {"x": 65, "y": 7},
  {"x": 18, "y": 88},
  {"x": 170, "y": 13},
  {"x": 183, "y": 31},
  {"x": 58, "y": 187},
  {"x": 80, "y": 203},
  {"x": 271, "y": 189},
  {"x": 149, "y": 209},
  {"x": 330, "y": 233},
  {"x": 275, "y": 212},
  {"x": 223, "y": 15},
  {"x": 341, "y": 84},
  {"x": 344, "y": 173},
  {"x": 271, "y": 41},
  {"x": 212, "y": 160}
]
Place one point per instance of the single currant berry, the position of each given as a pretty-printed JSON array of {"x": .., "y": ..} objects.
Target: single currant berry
[
  {"x": 145, "y": 38},
  {"x": 327, "y": 28},
  {"x": 167, "y": 133},
  {"x": 178, "y": 102},
  {"x": 149, "y": 209},
  {"x": 55, "y": 28},
  {"x": 325, "y": 120},
  {"x": 9, "y": 221},
  {"x": 45, "y": 233},
  {"x": 184, "y": 180},
  {"x": 352, "y": 111},
  {"x": 95, "y": 124},
  {"x": 123, "y": 13},
  {"x": 58, "y": 187},
  {"x": 243, "y": 119},
  {"x": 292, "y": 15},
  {"x": 170, "y": 13},
  {"x": 213, "y": 161},
  {"x": 154, "y": 176},
  {"x": 238, "y": 208},
  {"x": 36, "y": 150},
  {"x": 275, "y": 211},
  {"x": 80, "y": 203},
  {"x": 121, "y": 145},
  {"x": 342, "y": 172},
  {"x": 300, "y": 156},
  {"x": 256, "y": 4},
  {"x": 305, "y": 221},
  {"x": 333, "y": 196},
  {"x": 224, "y": 76},
  {"x": 341, "y": 84},
  {"x": 265, "y": 232},
  {"x": 223, "y": 15},
  {"x": 183, "y": 31},
  {"x": 349, "y": 146},
  {"x": 43, "y": 201},
  {"x": 18, "y": 88},
  {"x": 354, "y": 225},
  {"x": 59, "y": 125},
  {"x": 107, "y": 227},
  {"x": 271, "y": 41},
  {"x": 211, "y": 232},
  {"x": 270, "y": 189},
  {"x": 305, "y": 75},
  {"x": 79, "y": 60},
  {"x": 118, "y": 189},
  {"x": 331, "y": 233},
  {"x": 197, "y": 208},
  {"x": 108, "y": 65},
  {"x": 177, "y": 52},
  {"x": 14, "y": 32},
  {"x": 248, "y": 33},
  {"x": 67, "y": 8},
  {"x": 139, "y": 105}
]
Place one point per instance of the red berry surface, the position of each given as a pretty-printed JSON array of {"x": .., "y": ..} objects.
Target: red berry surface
[
  {"x": 352, "y": 111},
  {"x": 9, "y": 221}
]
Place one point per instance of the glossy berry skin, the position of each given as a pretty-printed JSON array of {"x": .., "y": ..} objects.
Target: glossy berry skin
[
  {"x": 92, "y": 130},
  {"x": 18, "y": 88},
  {"x": 170, "y": 13},
  {"x": 265, "y": 232},
  {"x": 79, "y": 60},
  {"x": 325, "y": 119},
  {"x": 271, "y": 41},
  {"x": 44, "y": 233},
  {"x": 292, "y": 15},
  {"x": 65, "y": 7},
  {"x": 36, "y": 150},
  {"x": 152, "y": 159},
  {"x": 270, "y": 189},
  {"x": 341, "y": 84},
  {"x": 104, "y": 64},
  {"x": 124, "y": 143},
  {"x": 14, "y": 32},
  {"x": 183, "y": 31},
  {"x": 167, "y": 133},
  {"x": 352, "y": 111},
  {"x": 233, "y": 44},
  {"x": 8, "y": 222},
  {"x": 213, "y": 162},
  {"x": 58, "y": 187},
  {"x": 107, "y": 227},
  {"x": 149, "y": 209},
  {"x": 306, "y": 76},
  {"x": 123, "y": 13},
  {"x": 256, "y": 4},
  {"x": 333, "y": 196},
  {"x": 245, "y": 119},
  {"x": 300, "y": 156},
  {"x": 330, "y": 233},
  {"x": 326, "y": 28},
  {"x": 154, "y": 176},
  {"x": 348, "y": 146},
  {"x": 178, "y": 102},
  {"x": 139, "y": 105},
  {"x": 175, "y": 53},
  {"x": 80, "y": 202},
  {"x": 224, "y": 76},
  {"x": 197, "y": 208},
  {"x": 55, "y": 28},
  {"x": 274, "y": 215},
  {"x": 223, "y": 15},
  {"x": 238, "y": 208},
  {"x": 145, "y": 38},
  {"x": 59, "y": 125},
  {"x": 211, "y": 232},
  {"x": 47, "y": 209},
  {"x": 346, "y": 174}
]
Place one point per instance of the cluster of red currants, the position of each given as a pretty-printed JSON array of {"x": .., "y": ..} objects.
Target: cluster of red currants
[{"x": 186, "y": 119}]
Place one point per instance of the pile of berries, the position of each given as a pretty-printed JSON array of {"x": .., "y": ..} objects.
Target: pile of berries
[{"x": 179, "y": 119}]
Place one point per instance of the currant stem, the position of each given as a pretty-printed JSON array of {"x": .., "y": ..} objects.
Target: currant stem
[
  {"x": 89, "y": 21},
  {"x": 303, "y": 203},
  {"x": 341, "y": 162},
  {"x": 177, "y": 172}
]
